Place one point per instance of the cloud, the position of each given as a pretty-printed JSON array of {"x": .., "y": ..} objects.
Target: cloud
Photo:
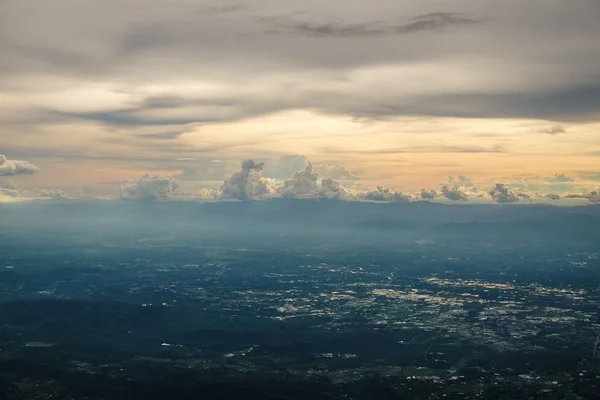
[
  {"x": 8, "y": 191},
  {"x": 454, "y": 193},
  {"x": 334, "y": 190},
  {"x": 149, "y": 187},
  {"x": 16, "y": 167},
  {"x": 553, "y": 196},
  {"x": 428, "y": 194},
  {"x": 424, "y": 149},
  {"x": 461, "y": 181},
  {"x": 247, "y": 184},
  {"x": 459, "y": 189},
  {"x": 385, "y": 194},
  {"x": 200, "y": 170},
  {"x": 340, "y": 173},
  {"x": 303, "y": 184},
  {"x": 592, "y": 197},
  {"x": 285, "y": 166},
  {"x": 560, "y": 178},
  {"x": 540, "y": 76},
  {"x": 54, "y": 194},
  {"x": 8, "y": 185},
  {"x": 555, "y": 130},
  {"x": 501, "y": 194},
  {"x": 427, "y": 22}
]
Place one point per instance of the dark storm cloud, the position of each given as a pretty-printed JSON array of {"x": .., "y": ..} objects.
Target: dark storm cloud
[{"x": 435, "y": 21}]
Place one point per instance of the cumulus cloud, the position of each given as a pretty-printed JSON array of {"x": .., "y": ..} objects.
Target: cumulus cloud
[
  {"x": 592, "y": 197},
  {"x": 8, "y": 191},
  {"x": 385, "y": 194},
  {"x": 54, "y": 194},
  {"x": 285, "y": 166},
  {"x": 560, "y": 178},
  {"x": 289, "y": 164},
  {"x": 338, "y": 172},
  {"x": 247, "y": 184},
  {"x": 16, "y": 167},
  {"x": 460, "y": 189},
  {"x": 454, "y": 193},
  {"x": 332, "y": 189},
  {"x": 8, "y": 185},
  {"x": 149, "y": 187},
  {"x": 209, "y": 194},
  {"x": 250, "y": 184},
  {"x": 553, "y": 196},
  {"x": 301, "y": 184},
  {"x": 502, "y": 194},
  {"x": 428, "y": 194},
  {"x": 460, "y": 181}
]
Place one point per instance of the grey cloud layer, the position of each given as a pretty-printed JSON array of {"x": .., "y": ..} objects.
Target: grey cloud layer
[
  {"x": 148, "y": 187},
  {"x": 480, "y": 58},
  {"x": 427, "y": 22}
]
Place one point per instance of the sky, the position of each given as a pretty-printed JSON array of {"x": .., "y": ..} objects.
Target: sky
[{"x": 151, "y": 98}]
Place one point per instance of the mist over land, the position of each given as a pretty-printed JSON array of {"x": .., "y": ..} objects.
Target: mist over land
[{"x": 298, "y": 298}]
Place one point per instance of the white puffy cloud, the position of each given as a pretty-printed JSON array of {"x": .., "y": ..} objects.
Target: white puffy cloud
[
  {"x": 385, "y": 194},
  {"x": 560, "y": 178},
  {"x": 209, "y": 194},
  {"x": 592, "y": 197},
  {"x": 334, "y": 190},
  {"x": 287, "y": 165},
  {"x": 54, "y": 194},
  {"x": 16, "y": 167},
  {"x": 461, "y": 181},
  {"x": 149, "y": 187},
  {"x": 459, "y": 189},
  {"x": 338, "y": 172},
  {"x": 428, "y": 194},
  {"x": 8, "y": 191},
  {"x": 247, "y": 184},
  {"x": 502, "y": 194},
  {"x": 8, "y": 185},
  {"x": 302, "y": 184},
  {"x": 454, "y": 193}
]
